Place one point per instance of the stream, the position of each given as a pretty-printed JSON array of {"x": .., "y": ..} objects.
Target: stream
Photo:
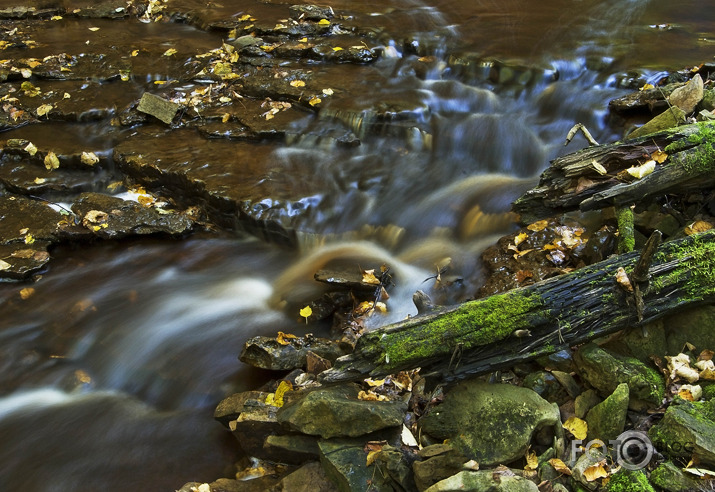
[{"x": 110, "y": 371}]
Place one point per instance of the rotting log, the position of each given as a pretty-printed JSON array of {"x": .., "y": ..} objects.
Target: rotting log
[
  {"x": 479, "y": 336},
  {"x": 577, "y": 180}
]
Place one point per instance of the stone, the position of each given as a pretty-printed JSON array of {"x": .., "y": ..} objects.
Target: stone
[
  {"x": 345, "y": 464},
  {"x": 440, "y": 461},
  {"x": 633, "y": 343},
  {"x": 692, "y": 326},
  {"x": 687, "y": 430},
  {"x": 269, "y": 353},
  {"x": 337, "y": 412},
  {"x": 605, "y": 370},
  {"x": 671, "y": 478},
  {"x": 490, "y": 423},
  {"x": 158, "y": 107},
  {"x": 308, "y": 478},
  {"x": 478, "y": 481},
  {"x": 568, "y": 382},
  {"x": 547, "y": 386},
  {"x": 669, "y": 118},
  {"x": 590, "y": 458},
  {"x": 292, "y": 449},
  {"x": 689, "y": 95},
  {"x": 585, "y": 402},
  {"x": 607, "y": 420},
  {"x": 395, "y": 463}
]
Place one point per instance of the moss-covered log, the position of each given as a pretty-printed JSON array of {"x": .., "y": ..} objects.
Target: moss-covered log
[
  {"x": 481, "y": 336},
  {"x": 596, "y": 177}
]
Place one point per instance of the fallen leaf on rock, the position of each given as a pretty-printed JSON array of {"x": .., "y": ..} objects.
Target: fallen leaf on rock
[
  {"x": 297, "y": 83},
  {"x": 51, "y": 161},
  {"x": 370, "y": 396},
  {"x": 89, "y": 158},
  {"x": 706, "y": 354},
  {"x": 679, "y": 366},
  {"x": 522, "y": 275},
  {"x": 283, "y": 338},
  {"x": 646, "y": 87},
  {"x": 560, "y": 466},
  {"x": 30, "y": 148},
  {"x": 659, "y": 156},
  {"x": 225, "y": 117},
  {"x": 315, "y": 101},
  {"x": 520, "y": 238},
  {"x": 595, "y": 472},
  {"x": 598, "y": 167},
  {"x": 4, "y": 265},
  {"x": 324, "y": 22},
  {"x": 374, "y": 382},
  {"x": 471, "y": 465},
  {"x": 371, "y": 457},
  {"x": 532, "y": 462},
  {"x": 701, "y": 472},
  {"x": 29, "y": 239},
  {"x": 408, "y": 439},
  {"x": 690, "y": 392},
  {"x": 368, "y": 277},
  {"x": 538, "y": 226},
  {"x": 698, "y": 226},
  {"x": 337, "y": 48},
  {"x": 577, "y": 427},
  {"x": 276, "y": 399},
  {"x": 94, "y": 217},
  {"x": 39, "y": 181}
]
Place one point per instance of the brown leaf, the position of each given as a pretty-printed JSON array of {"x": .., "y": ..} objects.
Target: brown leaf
[
  {"x": 595, "y": 472},
  {"x": 538, "y": 226},
  {"x": 283, "y": 338}
]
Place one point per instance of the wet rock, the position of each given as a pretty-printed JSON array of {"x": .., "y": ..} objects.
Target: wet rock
[
  {"x": 646, "y": 101},
  {"x": 642, "y": 342},
  {"x": 671, "y": 478},
  {"x": 111, "y": 217},
  {"x": 591, "y": 457},
  {"x": 687, "y": 430},
  {"x": 345, "y": 464},
  {"x": 693, "y": 326},
  {"x": 585, "y": 402},
  {"x": 490, "y": 423},
  {"x": 308, "y": 478},
  {"x": 292, "y": 353},
  {"x": 605, "y": 371},
  {"x": 670, "y": 118},
  {"x": 291, "y": 449},
  {"x": 688, "y": 96},
  {"x": 395, "y": 463},
  {"x": 477, "y": 481},
  {"x": 607, "y": 419},
  {"x": 561, "y": 360},
  {"x": 311, "y": 12},
  {"x": 439, "y": 461},
  {"x": 231, "y": 407},
  {"x": 158, "y": 107},
  {"x": 337, "y": 411},
  {"x": 568, "y": 382},
  {"x": 546, "y": 386}
]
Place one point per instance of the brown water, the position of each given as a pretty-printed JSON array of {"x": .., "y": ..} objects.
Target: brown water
[{"x": 109, "y": 373}]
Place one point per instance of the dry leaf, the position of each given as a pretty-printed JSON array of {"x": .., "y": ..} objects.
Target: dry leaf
[
  {"x": 324, "y": 22},
  {"x": 44, "y": 109},
  {"x": 93, "y": 29},
  {"x": 368, "y": 277},
  {"x": 560, "y": 466},
  {"x": 29, "y": 239},
  {"x": 297, "y": 83},
  {"x": 698, "y": 226},
  {"x": 595, "y": 472},
  {"x": 276, "y": 399},
  {"x": 328, "y": 92},
  {"x": 538, "y": 226},
  {"x": 4, "y": 265},
  {"x": 623, "y": 280},
  {"x": 315, "y": 100},
  {"x": 89, "y": 158},
  {"x": 94, "y": 217},
  {"x": 532, "y": 462},
  {"x": 598, "y": 167},
  {"x": 519, "y": 238},
  {"x": 659, "y": 156},
  {"x": 408, "y": 439},
  {"x": 690, "y": 392},
  {"x": 643, "y": 170},
  {"x": 26, "y": 293},
  {"x": 679, "y": 366},
  {"x": 337, "y": 48},
  {"x": 169, "y": 52},
  {"x": 371, "y": 457},
  {"x": 225, "y": 117},
  {"x": 30, "y": 148},
  {"x": 51, "y": 161},
  {"x": 283, "y": 338},
  {"x": 647, "y": 87},
  {"x": 577, "y": 427}
]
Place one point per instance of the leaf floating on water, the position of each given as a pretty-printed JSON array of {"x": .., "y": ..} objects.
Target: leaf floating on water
[
  {"x": 225, "y": 117},
  {"x": 29, "y": 239},
  {"x": 51, "y": 161},
  {"x": 29, "y": 89},
  {"x": 577, "y": 427},
  {"x": 642, "y": 170},
  {"x": 30, "y": 148},
  {"x": 26, "y": 293},
  {"x": 135, "y": 52},
  {"x": 169, "y": 52},
  {"x": 328, "y": 92},
  {"x": 66, "y": 95},
  {"x": 44, "y": 109},
  {"x": 89, "y": 158},
  {"x": 56, "y": 17},
  {"x": 93, "y": 29},
  {"x": 297, "y": 83},
  {"x": 337, "y": 48}
]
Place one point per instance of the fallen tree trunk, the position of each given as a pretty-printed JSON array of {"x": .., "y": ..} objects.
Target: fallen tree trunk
[{"x": 479, "y": 336}]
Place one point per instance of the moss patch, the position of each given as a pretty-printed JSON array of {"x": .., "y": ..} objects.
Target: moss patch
[{"x": 629, "y": 481}]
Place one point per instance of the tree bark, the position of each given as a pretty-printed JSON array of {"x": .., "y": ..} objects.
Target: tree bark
[{"x": 481, "y": 336}]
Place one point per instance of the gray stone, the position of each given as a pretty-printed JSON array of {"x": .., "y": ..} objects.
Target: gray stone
[
  {"x": 585, "y": 402},
  {"x": 479, "y": 481},
  {"x": 605, "y": 370},
  {"x": 669, "y": 118},
  {"x": 269, "y": 353},
  {"x": 687, "y": 430},
  {"x": 607, "y": 419},
  {"x": 308, "y": 478},
  {"x": 345, "y": 464},
  {"x": 440, "y": 461},
  {"x": 336, "y": 412},
  {"x": 291, "y": 449},
  {"x": 158, "y": 107},
  {"x": 688, "y": 96},
  {"x": 490, "y": 423}
]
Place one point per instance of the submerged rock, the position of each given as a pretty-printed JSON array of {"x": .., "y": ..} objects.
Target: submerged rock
[{"x": 490, "y": 423}]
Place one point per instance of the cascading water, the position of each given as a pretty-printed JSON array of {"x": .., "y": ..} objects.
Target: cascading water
[{"x": 110, "y": 371}]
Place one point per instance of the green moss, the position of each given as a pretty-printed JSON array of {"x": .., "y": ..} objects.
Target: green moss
[
  {"x": 703, "y": 158},
  {"x": 696, "y": 269},
  {"x": 629, "y": 481},
  {"x": 472, "y": 324},
  {"x": 626, "y": 232}
]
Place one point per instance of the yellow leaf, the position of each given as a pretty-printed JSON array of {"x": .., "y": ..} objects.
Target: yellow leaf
[
  {"x": 324, "y": 22},
  {"x": 560, "y": 466},
  {"x": 169, "y": 52},
  {"x": 538, "y": 226},
  {"x": 40, "y": 181},
  {"x": 26, "y": 73},
  {"x": 283, "y": 388},
  {"x": 66, "y": 95},
  {"x": 520, "y": 238},
  {"x": 30, "y": 149},
  {"x": 303, "y": 40},
  {"x": 328, "y": 92},
  {"x": 135, "y": 52},
  {"x": 306, "y": 312},
  {"x": 698, "y": 226},
  {"x": 595, "y": 472},
  {"x": 532, "y": 462},
  {"x": 4, "y": 265},
  {"x": 225, "y": 117},
  {"x": 368, "y": 277},
  {"x": 56, "y": 17},
  {"x": 371, "y": 457},
  {"x": 647, "y": 87},
  {"x": 33, "y": 63},
  {"x": 283, "y": 338},
  {"x": 26, "y": 292},
  {"x": 51, "y": 161},
  {"x": 381, "y": 307},
  {"x": 642, "y": 170},
  {"x": 577, "y": 427},
  {"x": 659, "y": 156},
  {"x": 598, "y": 167},
  {"x": 297, "y": 83},
  {"x": 623, "y": 280},
  {"x": 89, "y": 158},
  {"x": 374, "y": 382},
  {"x": 93, "y": 29},
  {"x": 44, "y": 109},
  {"x": 337, "y": 48},
  {"x": 244, "y": 17},
  {"x": 29, "y": 239}
]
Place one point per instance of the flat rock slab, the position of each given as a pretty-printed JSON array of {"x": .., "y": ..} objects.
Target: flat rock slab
[
  {"x": 288, "y": 353},
  {"x": 490, "y": 423}
]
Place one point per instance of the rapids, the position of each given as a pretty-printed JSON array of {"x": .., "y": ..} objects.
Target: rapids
[{"x": 110, "y": 371}]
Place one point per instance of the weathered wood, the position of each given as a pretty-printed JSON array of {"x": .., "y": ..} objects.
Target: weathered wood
[
  {"x": 478, "y": 336},
  {"x": 577, "y": 180}
]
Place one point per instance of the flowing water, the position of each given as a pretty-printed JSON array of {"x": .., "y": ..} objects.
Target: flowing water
[{"x": 109, "y": 373}]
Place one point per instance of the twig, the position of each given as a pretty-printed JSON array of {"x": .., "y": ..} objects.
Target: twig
[{"x": 575, "y": 129}]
